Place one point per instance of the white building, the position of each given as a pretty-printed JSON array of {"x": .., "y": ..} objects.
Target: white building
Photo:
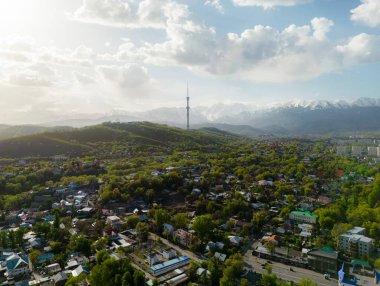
[
  {"x": 114, "y": 221},
  {"x": 341, "y": 150},
  {"x": 373, "y": 151},
  {"x": 169, "y": 253},
  {"x": 355, "y": 243},
  {"x": 356, "y": 150},
  {"x": 303, "y": 217},
  {"x": 53, "y": 268}
]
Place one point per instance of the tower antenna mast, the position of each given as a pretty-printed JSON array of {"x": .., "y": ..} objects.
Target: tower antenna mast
[{"x": 188, "y": 108}]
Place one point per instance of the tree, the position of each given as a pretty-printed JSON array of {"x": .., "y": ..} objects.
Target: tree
[
  {"x": 203, "y": 225},
  {"x": 161, "y": 216},
  {"x": 377, "y": 263},
  {"x": 132, "y": 221},
  {"x": 259, "y": 218},
  {"x": 101, "y": 243},
  {"x": 142, "y": 231},
  {"x": 233, "y": 271},
  {"x": 270, "y": 246},
  {"x": 33, "y": 257},
  {"x": 268, "y": 280},
  {"x": 80, "y": 243},
  {"x": 216, "y": 270},
  {"x": 75, "y": 281},
  {"x": 101, "y": 256},
  {"x": 138, "y": 278},
  {"x": 180, "y": 220},
  {"x": 339, "y": 229},
  {"x": 307, "y": 282},
  {"x": 127, "y": 279}
]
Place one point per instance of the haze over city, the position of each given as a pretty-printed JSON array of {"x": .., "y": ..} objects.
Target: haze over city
[{"x": 65, "y": 59}]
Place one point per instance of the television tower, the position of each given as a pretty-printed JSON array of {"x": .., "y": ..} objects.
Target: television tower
[{"x": 188, "y": 108}]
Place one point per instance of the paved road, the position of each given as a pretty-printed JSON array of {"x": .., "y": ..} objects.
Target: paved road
[
  {"x": 283, "y": 271},
  {"x": 190, "y": 254}
]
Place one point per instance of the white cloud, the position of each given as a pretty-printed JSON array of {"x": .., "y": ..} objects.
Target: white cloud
[
  {"x": 216, "y": 4},
  {"x": 83, "y": 78},
  {"x": 368, "y": 13},
  {"x": 267, "y": 4},
  {"x": 29, "y": 77},
  {"x": 362, "y": 48},
  {"x": 321, "y": 27},
  {"x": 129, "y": 76},
  {"x": 129, "y": 13},
  {"x": 262, "y": 53}
]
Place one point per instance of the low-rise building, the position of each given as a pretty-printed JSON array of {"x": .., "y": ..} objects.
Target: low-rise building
[
  {"x": 53, "y": 268},
  {"x": 114, "y": 221},
  {"x": 303, "y": 217},
  {"x": 324, "y": 260},
  {"x": 183, "y": 237},
  {"x": 170, "y": 265},
  {"x": 16, "y": 265},
  {"x": 60, "y": 278},
  {"x": 169, "y": 253}
]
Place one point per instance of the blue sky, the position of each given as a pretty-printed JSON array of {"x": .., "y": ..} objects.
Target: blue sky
[{"x": 70, "y": 58}]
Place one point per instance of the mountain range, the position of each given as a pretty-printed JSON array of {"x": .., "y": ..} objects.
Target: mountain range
[{"x": 294, "y": 118}]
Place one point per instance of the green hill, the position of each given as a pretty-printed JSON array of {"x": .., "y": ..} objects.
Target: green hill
[
  {"x": 139, "y": 135},
  {"x": 13, "y": 131}
]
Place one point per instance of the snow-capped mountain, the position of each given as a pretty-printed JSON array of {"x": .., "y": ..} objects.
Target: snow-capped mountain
[
  {"x": 291, "y": 118},
  {"x": 324, "y": 104}
]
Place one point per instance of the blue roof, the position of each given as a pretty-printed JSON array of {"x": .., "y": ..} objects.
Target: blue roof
[
  {"x": 350, "y": 282},
  {"x": 45, "y": 257},
  {"x": 48, "y": 218},
  {"x": 377, "y": 275},
  {"x": 13, "y": 263},
  {"x": 169, "y": 263}
]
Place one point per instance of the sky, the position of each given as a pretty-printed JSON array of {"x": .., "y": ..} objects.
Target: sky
[{"x": 71, "y": 58}]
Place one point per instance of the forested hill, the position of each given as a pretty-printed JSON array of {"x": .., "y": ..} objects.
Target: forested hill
[
  {"x": 13, "y": 131},
  {"x": 110, "y": 137}
]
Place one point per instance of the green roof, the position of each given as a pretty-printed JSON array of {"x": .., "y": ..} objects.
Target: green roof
[
  {"x": 365, "y": 264},
  {"x": 304, "y": 213},
  {"x": 327, "y": 249}
]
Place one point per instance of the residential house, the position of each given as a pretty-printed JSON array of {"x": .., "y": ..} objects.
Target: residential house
[
  {"x": 16, "y": 265},
  {"x": 221, "y": 256},
  {"x": 114, "y": 221},
  {"x": 79, "y": 270},
  {"x": 60, "y": 278},
  {"x": 168, "y": 228},
  {"x": 53, "y": 268},
  {"x": 183, "y": 237},
  {"x": 236, "y": 240}
]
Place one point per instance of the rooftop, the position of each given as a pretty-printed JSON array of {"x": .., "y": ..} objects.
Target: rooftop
[
  {"x": 304, "y": 213},
  {"x": 169, "y": 263}
]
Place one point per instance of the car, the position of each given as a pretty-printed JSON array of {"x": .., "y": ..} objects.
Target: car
[{"x": 326, "y": 276}]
